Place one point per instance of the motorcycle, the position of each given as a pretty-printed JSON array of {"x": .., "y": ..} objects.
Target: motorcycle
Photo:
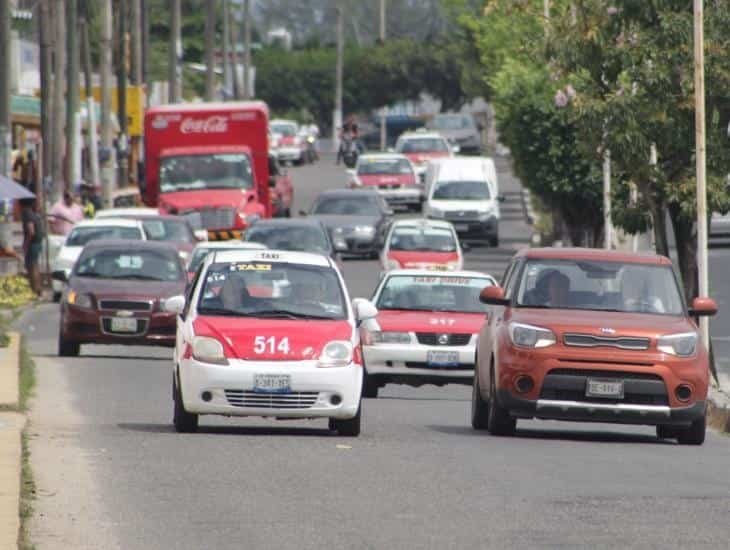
[{"x": 350, "y": 151}]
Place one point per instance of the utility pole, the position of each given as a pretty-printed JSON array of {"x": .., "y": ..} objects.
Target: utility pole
[
  {"x": 6, "y": 144},
  {"x": 135, "y": 43},
  {"x": 337, "y": 113},
  {"x": 607, "y": 222},
  {"x": 47, "y": 40},
  {"x": 122, "y": 67},
  {"x": 233, "y": 26},
  {"x": 59, "y": 91},
  {"x": 174, "y": 68},
  {"x": 247, "y": 49},
  {"x": 145, "y": 24},
  {"x": 90, "y": 104},
  {"x": 72, "y": 93},
  {"x": 107, "y": 135},
  {"x": 383, "y": 128},
  {"x": 210, "y": 21},
  {"x": 227, "y": 83},
  {"x": 700, "y": 152}
]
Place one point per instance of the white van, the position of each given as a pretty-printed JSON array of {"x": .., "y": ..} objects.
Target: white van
[{"x": 464, "y": 191}]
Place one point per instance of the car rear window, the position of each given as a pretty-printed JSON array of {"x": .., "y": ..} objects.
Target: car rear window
[{"x": 80, "y": 236}]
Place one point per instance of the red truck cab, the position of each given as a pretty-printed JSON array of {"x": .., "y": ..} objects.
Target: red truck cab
[{"x": 208, "y": 162}]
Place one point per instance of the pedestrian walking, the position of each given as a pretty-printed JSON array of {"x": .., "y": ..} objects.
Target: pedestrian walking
[
  {"x": 65, "y": 213},
  {"x": 33, "y": 235}
]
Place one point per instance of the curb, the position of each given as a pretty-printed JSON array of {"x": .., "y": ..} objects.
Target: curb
[
  {"x": 11, "y": 429},
  {"x": 718, "y": 410}
]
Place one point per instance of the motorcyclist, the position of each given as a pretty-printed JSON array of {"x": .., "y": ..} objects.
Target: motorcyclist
[{"x": 349, "y": 133}]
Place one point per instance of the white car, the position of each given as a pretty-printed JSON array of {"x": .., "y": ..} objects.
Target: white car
[
  {"x": 243, "y": 348},
  {"x": 426, "y": 328},
  {"x": 291, "y": 145},
  {"x": 391, "y": 175},
  {"x": 464, "y": 191},
  {"x": 422, "y": 244},
  {"x": 141, "y": 212},
  {"x": 87, "y": 231}
]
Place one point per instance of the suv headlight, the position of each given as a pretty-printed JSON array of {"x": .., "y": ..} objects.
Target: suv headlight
[
  {"x": 485, "y": 214},
  {"x": 337, "y": 353},
  {"x": 682, "y": 345},
  {"x": 208, "y": 350},
  {"x": 380, "y": 337},
  {"x": 529, "y": 336},
  {"x": 365, "y": 229},
  {"x": 79, "y": 299}
]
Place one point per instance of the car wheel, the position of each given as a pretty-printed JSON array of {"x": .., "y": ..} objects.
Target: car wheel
[
  {"x": 667, "y": 432},
  {"x": 184, "y": 421},
  {"x": 479, "y": 407},
  {"x": 349, "y": 427},
  {"x": 57, "y": 296},
  {"x": 499, "y": 421},
  {"x": 695, "y": 434},
  {"x": 67, "y": 348},
  {"x": 370, "y": 386}
]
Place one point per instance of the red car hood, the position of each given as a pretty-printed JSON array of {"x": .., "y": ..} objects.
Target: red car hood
[
  {"x": 181, "y": 201},
  {"x": 420, "y": 158},
  {"x": 387, "y": 179},
  {"x": 443, "y": 322},
  {"x": 306, "y": 339},
  {"x": 414, "y": 259}
]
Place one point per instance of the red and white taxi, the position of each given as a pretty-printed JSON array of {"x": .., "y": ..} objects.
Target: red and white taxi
[
  {"x": 392, "y": 175},
  {"x": 422, "y": 244},
  {"x": 420, "y": 147},
  {"x": 426, "y": 328},
  {"x": 290, "y": 352}
]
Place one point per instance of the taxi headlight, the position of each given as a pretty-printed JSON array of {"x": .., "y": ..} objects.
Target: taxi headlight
[
  {"x": 529, "y": 336},
  {"x": 208, "y": 350},
  {"x": 682, "y": 345},
  {"x": 337, "y": 353},
  {"x": 381, "y": 337},
  {"x": 79, "y": 299}
]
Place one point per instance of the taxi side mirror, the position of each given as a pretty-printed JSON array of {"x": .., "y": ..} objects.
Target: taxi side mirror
[
  {"x": 364, "y": 309},
  {"x": 493, "y": 295},
  {"x": 201, "y": 235},
  {"x": 175, "y": 304},
  {"x": 703, "y": 307}
]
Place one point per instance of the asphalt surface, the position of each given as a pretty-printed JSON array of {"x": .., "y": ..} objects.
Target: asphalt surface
[{"x": 417, "y": 477}]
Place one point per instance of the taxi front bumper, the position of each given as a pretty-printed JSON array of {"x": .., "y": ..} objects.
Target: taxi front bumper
[
  {"x": 330, "y": 392},
  {"x": 403, "y": 361}
]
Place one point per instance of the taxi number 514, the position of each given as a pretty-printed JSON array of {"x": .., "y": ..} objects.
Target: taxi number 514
[{"x": 264, "y": 344}]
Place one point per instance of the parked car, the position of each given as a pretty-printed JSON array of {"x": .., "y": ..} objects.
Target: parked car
[
  {"x": 114, "y": 294},
  {"x": 460, "y": 129},
  {"x": 595, "y": 336},
  {"x": 390, "y": 174},
  {"x": 359, "y": 218}
]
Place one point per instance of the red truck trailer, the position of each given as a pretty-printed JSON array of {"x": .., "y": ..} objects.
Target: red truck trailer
[{"x": 209, "y": 162}]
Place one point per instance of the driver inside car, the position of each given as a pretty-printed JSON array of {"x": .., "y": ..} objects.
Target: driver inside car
[{"x": 635, "y": 289}]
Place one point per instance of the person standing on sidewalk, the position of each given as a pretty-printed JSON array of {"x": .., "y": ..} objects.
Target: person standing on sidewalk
[
  {"x": 32, "y": 243},
  {"x": 64, "y": 215}
]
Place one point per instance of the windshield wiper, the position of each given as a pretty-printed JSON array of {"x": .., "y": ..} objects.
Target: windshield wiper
[
  {"x": 288, "y": 314},
  {"x": 220, "y": 311},
  {"x": 139, "y": 276},
  {"x": 91, "y": 274}
]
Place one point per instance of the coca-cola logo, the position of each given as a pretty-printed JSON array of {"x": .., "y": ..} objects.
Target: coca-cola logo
[{"x": 210, "y": 125}]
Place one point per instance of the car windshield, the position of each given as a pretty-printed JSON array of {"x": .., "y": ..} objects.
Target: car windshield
[
  {"x": 144, "y": 265},
  {"x": 168, "y": 230},
  {"x": 272, "y": 290},
  {"x": 422, "y": 239},
  {"x": 302, "y": 237},
  {"x": 368, "y": 167},
  {"x": 195, "y": 172},
  {"x": 461, "y": 190},
  {"x": 600, "y": 286},
  {"x": 451, "y": 122},
  {"x": 347, "y": 206},
  {"x": 285, "y": 129},
  {"x": 433, "y": 293},
  {"x": 80, "y": 236},
  {"x": 423, "y": 145}
]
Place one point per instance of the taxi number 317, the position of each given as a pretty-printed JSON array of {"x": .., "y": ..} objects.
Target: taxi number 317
[{"x": 269, "y": 344}]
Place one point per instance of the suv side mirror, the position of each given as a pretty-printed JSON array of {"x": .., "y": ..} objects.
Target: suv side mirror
[
  {"x": 493, "y": 295},
  {"x": 703, "y": 307},
  {"x": 501, "y": 198}
]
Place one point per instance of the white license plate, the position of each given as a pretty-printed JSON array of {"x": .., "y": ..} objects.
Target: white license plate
[
  {"x": 443, "y": 358},
  {"x": 123, "y": 324},
  {"x": 271, "y": 383},
  {"x": 461, "y": 226},
  {"x": 605, "y": 388}
]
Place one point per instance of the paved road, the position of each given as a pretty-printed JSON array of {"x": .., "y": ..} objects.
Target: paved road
[{"x": 112, "y": 473}]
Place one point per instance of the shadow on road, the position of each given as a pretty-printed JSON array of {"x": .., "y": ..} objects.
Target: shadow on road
[
  {"x": 562, "y": 435},
  {"x": 403, "y": 398},
  {"x": 98, "y": 356},
  {"x": 232, "y": 430}
]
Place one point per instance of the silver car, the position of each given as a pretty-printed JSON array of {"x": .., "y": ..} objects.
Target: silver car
[{"x": 460, "y": 129}]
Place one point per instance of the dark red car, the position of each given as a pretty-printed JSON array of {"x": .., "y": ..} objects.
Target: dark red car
[{"x": 114, "y": 293}]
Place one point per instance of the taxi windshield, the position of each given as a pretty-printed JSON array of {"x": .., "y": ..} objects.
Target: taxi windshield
[
  {"x": 80, "y": 236},
  {"x": 434, "y": 239},
  {"x": 197, "y": 172},
  {"x": 433, "y": 293},
  {"x": 423, "y": 145},
  {"x": 600, "y": 286},
  {"x": 272, "y": 290},
  {"x": 142, "y": 265},
  {"x": 369, "y": 167}
]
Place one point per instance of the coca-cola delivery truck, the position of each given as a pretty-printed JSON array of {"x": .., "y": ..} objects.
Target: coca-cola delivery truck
[{"x": 209, "y": 162}]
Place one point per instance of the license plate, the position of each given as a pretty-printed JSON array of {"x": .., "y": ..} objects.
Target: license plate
[
  {"x": 271, "y": 383},
  {"x": 461, "y": 226},
  {"x": 605, "y": 388},
  {"x": 123, "y": 324},
  {"x": 443, "y": 358}
]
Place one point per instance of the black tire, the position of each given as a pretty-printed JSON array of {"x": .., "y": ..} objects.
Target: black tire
[
  {"x": 695, "y": 434},
  {"x": 57, "y": 296},
  {"x": 493, "y": 240},
  {"x": 479, "y": 407},
  {"x": 67, "y": 348},
  {"x": 349, "y": 427},
  {"x": 287, "y": 213},
  {"x": 184, "y": 421},
  {"x": 667, "y": 432},
  {"x": 499, "y": 421},
  {"x": 369, "y": 386}
]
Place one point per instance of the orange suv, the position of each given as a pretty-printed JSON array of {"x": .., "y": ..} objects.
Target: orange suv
[{"x": 595, "y": 336}]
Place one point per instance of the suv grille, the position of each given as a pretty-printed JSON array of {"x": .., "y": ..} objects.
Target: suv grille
[
  {"x": 592, "y": 341},
  {"x": 460, "y": 215},
  {"x": 294, "y": 400},
  {"x": 217, "y": 218},
  {"x": 437, "y": 339},
  {"x": 129, "y": 305}
]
